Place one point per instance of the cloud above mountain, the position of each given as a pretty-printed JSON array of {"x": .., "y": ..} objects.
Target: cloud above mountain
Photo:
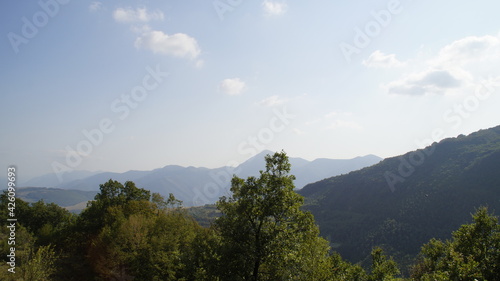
[{"x": 456, "y": 68}]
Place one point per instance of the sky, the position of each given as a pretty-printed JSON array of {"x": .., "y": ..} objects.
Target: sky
[{"x": 137, "y": 85}]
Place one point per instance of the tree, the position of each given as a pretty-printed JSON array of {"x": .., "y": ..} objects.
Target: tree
[
  {"x": 473, "y": 252},
  {"x": 345, "y": 271},
  {"x": 137, "y": 236},
  {"x": 383, "y": 269},
  {"x": 32, "y": 263},
  {"x": 264, "y": 233}
]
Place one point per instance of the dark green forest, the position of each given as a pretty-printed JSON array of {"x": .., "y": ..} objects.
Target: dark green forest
[
  {"x": 434, "y": 191},
  {"x": 263, "y": 232}
]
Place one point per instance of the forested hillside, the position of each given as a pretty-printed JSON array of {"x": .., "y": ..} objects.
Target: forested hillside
[
  {"x": 404, "y": 201},
  {"x": 262, "y": 232}
]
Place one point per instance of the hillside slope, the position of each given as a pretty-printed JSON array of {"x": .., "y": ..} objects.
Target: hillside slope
[{"x": 404, "y": 201}]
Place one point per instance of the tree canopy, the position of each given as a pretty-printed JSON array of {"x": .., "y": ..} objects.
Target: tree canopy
[{"x": 264, "y": 233}]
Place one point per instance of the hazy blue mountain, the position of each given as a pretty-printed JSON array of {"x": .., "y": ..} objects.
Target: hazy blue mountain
[
  {"x": 52, "y": 180},
  {"x": 309, "y": 171},
  {"x": 404, "y": 201},
  {"x": 92, "y": 182},
  {"x": 200, "y": 186}
]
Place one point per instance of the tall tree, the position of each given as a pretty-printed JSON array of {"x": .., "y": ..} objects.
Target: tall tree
[{"x": 264, "y": 233}]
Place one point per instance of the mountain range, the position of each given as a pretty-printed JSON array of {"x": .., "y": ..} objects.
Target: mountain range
[
  {"x": 398, "y": 203},
  {"x": 402, "y": 202},
  {"x": 197, "y": 185}
]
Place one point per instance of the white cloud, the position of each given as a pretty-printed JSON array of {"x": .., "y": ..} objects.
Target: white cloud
[
  {"x": 470, "y": 49},
  {"x": 95, "y": 6},
  {"x": 437, "y": 81},
  {"x": 178, "y": 45},
  {"x": 455, "y": 68},
  {"x": 273, "y": 8},
  {"x": 272, "y": 101},
  {"x": 232, "y": 87},
  {"x": 128, "y": 15},
  {"x": 378, "y": 59}
]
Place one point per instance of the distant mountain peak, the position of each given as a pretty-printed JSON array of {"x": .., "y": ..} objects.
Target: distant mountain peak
[{"x": 199, "y": 185}]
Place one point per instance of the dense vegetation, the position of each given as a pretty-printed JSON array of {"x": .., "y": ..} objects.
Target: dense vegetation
[
  {"x": 434, "y": 191},
  {"x": 262, "y": 233}
]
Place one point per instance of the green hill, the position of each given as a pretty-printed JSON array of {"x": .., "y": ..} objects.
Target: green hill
[{"x": 404, "y": 201}]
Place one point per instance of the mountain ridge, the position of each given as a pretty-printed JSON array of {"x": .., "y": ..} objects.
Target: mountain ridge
[
  {"x": 199, "y": 185},
  {"x": 428, "y": 198}
]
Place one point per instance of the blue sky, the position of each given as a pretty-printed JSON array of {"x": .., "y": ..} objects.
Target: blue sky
[{"x": 137, "y": 85}]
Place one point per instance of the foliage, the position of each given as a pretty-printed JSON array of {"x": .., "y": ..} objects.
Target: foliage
[
  {"x": 439, "y": 187},
  {"x": 383, "y": 269},
  {"x": 473, "y": 252},
  {"x": 32, "y": 263},
  {"x": 264, "y": 233},
  {"x": 345, "y": 271}
]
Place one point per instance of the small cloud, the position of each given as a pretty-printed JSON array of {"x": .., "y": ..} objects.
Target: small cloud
[
  {"x": 128, "y": 15},
  {"x": 439, "y": 79},
  {"x": 232, "y": 87},
  {"x": 273, "y": 8},
  {"x": 431, "y": 81},
  {"x": 380, "y": 60},
  {"x": 177, "y": 45},
  {"x": 95, "y": 6},
  {"x": 272, "y": 101}
]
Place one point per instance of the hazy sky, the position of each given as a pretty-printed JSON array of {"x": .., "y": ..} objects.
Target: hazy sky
[{"x": 122, "y": 85}]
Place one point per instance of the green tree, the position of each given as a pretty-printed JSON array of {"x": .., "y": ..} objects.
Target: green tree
[
  {"x": 112, "y": 206},
  {"x": 264, "y": 233},
  {"x": 32, "y": 263},
  {"x": 345, "y": 271},
  {"x": 472, "y": 253},
  {"x": 383, "y": 269},
  {"x": 137, "y": 236}
]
